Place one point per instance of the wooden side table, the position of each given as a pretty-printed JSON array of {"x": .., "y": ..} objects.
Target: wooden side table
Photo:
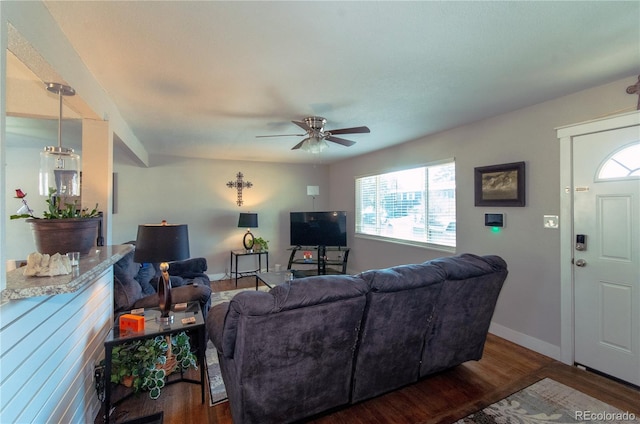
[{"x": 235, "y": 254}]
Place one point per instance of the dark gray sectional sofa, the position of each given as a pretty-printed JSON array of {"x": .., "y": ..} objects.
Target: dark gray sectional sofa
[{"x": 328, "y": 341}]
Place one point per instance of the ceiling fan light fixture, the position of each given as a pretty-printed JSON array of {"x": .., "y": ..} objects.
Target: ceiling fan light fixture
[
  {"x": 314, "y": 145},
  {"x": 317, "y": 137}
]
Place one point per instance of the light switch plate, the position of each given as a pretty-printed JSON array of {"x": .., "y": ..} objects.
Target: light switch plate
[{"x": 551, "y": 221}]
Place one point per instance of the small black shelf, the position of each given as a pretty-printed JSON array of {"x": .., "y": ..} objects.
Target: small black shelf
[{"x": 324, "y": 265}]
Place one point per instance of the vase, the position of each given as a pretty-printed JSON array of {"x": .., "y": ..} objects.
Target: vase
[{"x": 65, "y": 235}]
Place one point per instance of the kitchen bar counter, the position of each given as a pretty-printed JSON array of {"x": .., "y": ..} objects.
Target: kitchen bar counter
[{"x": 91, "y": 266}]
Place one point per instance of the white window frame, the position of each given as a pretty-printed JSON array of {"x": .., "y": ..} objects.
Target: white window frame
[{"x": 370, "y": 225}]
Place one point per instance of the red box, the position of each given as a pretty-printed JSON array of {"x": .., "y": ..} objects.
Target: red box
[{"x": 129, "y": 322}]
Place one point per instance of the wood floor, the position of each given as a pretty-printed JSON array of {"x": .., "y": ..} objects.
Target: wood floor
[{"x": 443, "y": 398}]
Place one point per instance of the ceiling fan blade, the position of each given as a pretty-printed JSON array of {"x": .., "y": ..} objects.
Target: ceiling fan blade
[
  {"x": 354, "y": 130},
  {"x": 342, "y": 141},
  {"x": 303, "y": 125},
  {"x": 299, "y": 145},
  {"x": 281, "y": 135}
]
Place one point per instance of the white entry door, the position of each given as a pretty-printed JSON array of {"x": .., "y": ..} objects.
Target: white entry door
[{"x": 606, "y": 192}]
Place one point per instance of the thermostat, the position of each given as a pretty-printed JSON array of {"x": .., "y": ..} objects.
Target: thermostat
[{"x": 494, "y": 220}]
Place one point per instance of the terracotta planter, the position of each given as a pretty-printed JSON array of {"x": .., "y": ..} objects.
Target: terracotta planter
[{"x": 65, "y": 235}]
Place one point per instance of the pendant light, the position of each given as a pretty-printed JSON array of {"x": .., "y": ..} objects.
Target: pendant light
[{"x": 59, "y": 166}]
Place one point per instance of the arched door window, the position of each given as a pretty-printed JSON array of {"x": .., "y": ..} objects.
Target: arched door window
[{"x": 622, "y": 164}]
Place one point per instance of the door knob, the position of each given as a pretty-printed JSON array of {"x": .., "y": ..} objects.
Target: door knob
[{"x": 581, "y": 263}]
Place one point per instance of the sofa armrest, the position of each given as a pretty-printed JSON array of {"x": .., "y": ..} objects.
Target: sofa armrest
[
  {"x": 215, "y": 325},
  {"x": 188, "y": 268}
]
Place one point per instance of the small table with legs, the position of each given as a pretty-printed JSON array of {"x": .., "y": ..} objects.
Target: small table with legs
[{"x": 235, "y": 254}]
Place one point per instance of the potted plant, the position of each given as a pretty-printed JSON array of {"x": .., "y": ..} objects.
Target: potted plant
[
  {"x": 62, "y": 229},
  {"x": 260, "y": 244},
  {"x": 144, "y": 364}
]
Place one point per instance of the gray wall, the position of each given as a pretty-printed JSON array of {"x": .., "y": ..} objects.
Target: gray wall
[
  {"x": 194, "y": 192},
  {"x": 528, "y": 310}
]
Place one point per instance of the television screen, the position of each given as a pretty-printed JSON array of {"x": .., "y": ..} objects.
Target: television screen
[{"x": 319, "y": 228}]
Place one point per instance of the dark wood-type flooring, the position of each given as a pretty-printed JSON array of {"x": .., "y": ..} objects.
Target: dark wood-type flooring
[{"x": 443, "y": 398}]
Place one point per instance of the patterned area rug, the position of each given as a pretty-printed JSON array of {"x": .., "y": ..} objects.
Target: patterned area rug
[
  {"x": 216, "y": 385},
  {"x": 549, "y": 402}
]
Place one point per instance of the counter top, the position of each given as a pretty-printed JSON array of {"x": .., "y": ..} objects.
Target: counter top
[{"x": 91, "y": 266}]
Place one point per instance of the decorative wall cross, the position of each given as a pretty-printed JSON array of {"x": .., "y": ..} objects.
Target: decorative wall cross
[
  {"x": 239, "y": 184},
  {"x": 635, "y": 89}
]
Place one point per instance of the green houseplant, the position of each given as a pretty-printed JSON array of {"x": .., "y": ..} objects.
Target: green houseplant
[
  {"x": 144, "y": 364},
  {"x": 260, "y": 244},
  {"x": 63, "y": 228}
]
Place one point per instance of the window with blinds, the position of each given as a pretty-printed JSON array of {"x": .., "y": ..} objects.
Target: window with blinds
[{"x": 414, "y": 205}]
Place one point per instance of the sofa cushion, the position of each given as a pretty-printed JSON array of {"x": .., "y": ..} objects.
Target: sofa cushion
[
  {"x": 126, "y": 292},
  {"x": 468, "y": 265},
  {"x": 399, "y": 311},
  {"x": 188, "y": 268},
  {"x": 126, "y": 289},
  {"x": 463, "y": 313},
  {"x": 144, "y": 277}
]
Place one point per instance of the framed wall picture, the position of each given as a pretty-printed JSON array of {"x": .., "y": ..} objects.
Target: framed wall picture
[{"x": 500, "y": 185}]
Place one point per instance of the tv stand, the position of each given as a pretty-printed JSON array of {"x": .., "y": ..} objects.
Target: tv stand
[{"x": 328, "y": 259}]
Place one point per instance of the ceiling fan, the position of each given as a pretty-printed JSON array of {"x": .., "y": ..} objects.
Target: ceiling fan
[{"x": 317, "y": 136}]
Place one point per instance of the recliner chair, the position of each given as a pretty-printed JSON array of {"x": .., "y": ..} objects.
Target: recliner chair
[{"x": 135, "y": 285}]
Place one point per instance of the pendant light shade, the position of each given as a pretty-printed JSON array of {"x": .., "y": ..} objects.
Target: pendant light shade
[{"x": 59, "y": 166}]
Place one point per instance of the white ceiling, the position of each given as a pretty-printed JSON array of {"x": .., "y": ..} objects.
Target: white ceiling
[{"x": 204, "y": 78}]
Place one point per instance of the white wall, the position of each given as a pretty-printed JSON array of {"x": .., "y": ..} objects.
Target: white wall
[{"x": 528, "y": 310}]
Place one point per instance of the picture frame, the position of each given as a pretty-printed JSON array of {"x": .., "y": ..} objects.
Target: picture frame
[{"x": 500, "y": 185}]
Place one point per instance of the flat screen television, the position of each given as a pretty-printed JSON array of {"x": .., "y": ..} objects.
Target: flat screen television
[{"x": 319, "y": 228}]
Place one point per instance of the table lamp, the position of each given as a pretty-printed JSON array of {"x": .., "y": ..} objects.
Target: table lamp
[
  {"x": 248, "y": 221},
  {"x": 162, "y": 243}
]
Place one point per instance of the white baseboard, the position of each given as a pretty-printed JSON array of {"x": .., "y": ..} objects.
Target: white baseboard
[{"x": 524, "y": 340}]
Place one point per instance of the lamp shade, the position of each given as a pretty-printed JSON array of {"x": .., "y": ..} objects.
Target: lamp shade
[
  {"x": 248, "y": 220},
  {"x": 161, "y": 243}
]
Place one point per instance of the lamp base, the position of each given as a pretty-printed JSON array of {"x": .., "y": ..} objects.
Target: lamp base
[
  {"x": 165, "y": 320},
  {"x": 248, "y": 240}
]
